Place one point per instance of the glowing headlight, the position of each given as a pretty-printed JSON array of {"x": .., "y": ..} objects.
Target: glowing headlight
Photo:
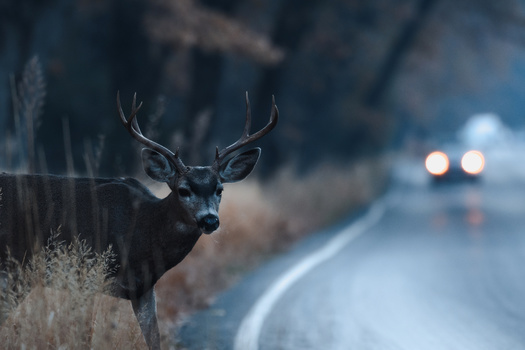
[
  {"x": 473, "y": 162},
  {"x": 437, "y": 163}
]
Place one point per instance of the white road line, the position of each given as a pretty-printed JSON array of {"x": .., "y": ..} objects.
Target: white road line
[{"x": 247, "y": 337}]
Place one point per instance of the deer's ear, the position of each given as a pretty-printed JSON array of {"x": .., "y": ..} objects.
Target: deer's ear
[
  {"x": 157, "y": 166},
  {"x": 240, "y": 166}
]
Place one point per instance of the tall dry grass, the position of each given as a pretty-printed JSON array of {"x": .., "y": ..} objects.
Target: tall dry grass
[{"x": 55, "y": 302}]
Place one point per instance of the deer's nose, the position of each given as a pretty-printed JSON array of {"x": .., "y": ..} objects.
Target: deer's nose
[{"x": 209, "y": 223}]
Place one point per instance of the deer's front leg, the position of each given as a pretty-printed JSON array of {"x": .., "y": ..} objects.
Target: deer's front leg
[{"x": 145, "y": 309}]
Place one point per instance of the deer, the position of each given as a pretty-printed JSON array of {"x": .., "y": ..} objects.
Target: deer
[{"x": 147, "y": 234}]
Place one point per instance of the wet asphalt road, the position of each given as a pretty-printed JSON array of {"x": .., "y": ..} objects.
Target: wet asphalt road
[{"x": 439, "y": 268}]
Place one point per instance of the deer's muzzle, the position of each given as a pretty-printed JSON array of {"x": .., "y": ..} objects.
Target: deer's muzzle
[{"x": 209, "y": 223}]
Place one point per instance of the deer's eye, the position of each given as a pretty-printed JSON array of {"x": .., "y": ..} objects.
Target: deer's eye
[{"x": 184, "y": 192}]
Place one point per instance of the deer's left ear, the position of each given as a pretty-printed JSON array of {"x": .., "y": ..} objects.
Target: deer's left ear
[
  {"x": 157, "y": 166},
  {"x": 240, "y": 166}
]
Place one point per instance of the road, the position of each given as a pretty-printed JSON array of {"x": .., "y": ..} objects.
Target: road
[{"x": 426, "y": 268}]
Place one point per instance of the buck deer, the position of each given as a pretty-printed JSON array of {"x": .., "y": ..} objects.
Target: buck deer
[{"x": 148, "y": 235}]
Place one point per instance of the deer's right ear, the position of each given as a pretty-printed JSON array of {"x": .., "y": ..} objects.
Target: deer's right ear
[{"x": 157, "y": 166}]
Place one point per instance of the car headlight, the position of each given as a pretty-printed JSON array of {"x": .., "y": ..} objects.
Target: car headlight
[
  {"x": 437, "y": 163},
  {"x": 473, "y": 162}
]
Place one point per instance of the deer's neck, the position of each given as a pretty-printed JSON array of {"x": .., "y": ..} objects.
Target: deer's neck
[
  {"x": 180, "y": 235},
  {"x": 161, "y": 240}
]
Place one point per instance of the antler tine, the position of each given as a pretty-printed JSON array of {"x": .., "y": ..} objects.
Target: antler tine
[
  {"x": 246, "y": 138},
  {"x": 248, "y": 123},
  {"x": 131, "y": 124},
  {"x": 135, "y": 123}
]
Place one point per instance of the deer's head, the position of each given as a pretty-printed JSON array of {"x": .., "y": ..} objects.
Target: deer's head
[{"x": 197, "y": 190}]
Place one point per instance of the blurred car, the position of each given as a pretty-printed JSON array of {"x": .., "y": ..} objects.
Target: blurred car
[{"x": 455, "y": 165}]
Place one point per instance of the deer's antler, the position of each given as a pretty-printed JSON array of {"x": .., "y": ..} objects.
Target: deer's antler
[
  {"x": 131, "y": 124},
  {"x": 246, "y": 138}
]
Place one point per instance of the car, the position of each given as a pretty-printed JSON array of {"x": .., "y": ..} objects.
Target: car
[{"x": 455, "y": 165}]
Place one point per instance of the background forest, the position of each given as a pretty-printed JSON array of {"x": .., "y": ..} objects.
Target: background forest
[{"x": 351, "y": 78}]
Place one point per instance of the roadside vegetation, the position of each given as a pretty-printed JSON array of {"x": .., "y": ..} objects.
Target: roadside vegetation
[
  {"x": 49, "y": 301},
  {"x": 55, "y": 302}
]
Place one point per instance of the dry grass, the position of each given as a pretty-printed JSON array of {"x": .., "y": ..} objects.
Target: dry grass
[
  {"x": 54, "y": 302},
  {"x": 259, "y": 220},
  {"x": 48, "y": 319}
]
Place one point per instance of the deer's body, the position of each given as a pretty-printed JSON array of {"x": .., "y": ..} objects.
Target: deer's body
[{"x": 148, "y": 235}]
